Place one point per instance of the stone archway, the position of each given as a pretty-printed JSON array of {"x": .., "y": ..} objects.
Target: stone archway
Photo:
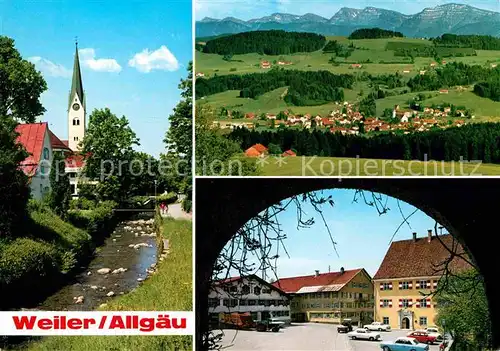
[{"x": 463, "y": 206}]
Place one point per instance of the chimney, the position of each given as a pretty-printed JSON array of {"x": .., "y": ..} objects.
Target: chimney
[
  {"x": 316, "y": 273},
  {"x": 342, "y": 270},
  {"x": 414, "y": 237},
  {"x": 429, "y": 235}
]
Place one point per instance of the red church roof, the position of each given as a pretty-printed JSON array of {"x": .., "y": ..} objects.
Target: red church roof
[
  {"x": 294, "y": 284},
  {"x": 58, "y": 144},
  {"x": 31, "y": 136}
]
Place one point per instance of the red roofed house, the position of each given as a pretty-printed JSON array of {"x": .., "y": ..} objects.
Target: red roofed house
[
  {"x": 249, "y": 294},
  {"x": 289, "y": 153},
  {"x": 410, "y": 268},
  {"x": 330, "y": 297},
  {"x": 252, "y": 152},
  {"x": 35, "y": 138}
]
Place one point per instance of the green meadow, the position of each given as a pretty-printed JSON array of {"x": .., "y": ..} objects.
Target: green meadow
[{"x": 332, "y": 166}]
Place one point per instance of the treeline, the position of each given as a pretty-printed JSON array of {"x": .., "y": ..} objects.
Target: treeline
[
  {"x": 452, "y": 74},
  {"x": 478, "y": 42},
  {"x": 470, "y": 142},
  {"x": 303, "y": 85},
  {"x": 333, "y": 46},
  {"x": 374, "y": 33},
  {"x": 489, "y": 89},
  {"x": 269, "y": 42}
]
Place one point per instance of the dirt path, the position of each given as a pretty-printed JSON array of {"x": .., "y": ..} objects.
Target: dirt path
[{"x": 175, "y": 211}]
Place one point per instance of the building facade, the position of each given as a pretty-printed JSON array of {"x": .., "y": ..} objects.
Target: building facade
[
  {"x": 330, "y": 297},
  {"x": 248, "y": 294},
  {"x": 35, "y": 138},
  {"x": 407, "y": 277}
]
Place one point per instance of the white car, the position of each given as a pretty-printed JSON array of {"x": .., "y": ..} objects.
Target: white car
[
  {"x": 362, "y": 333},
  {"x": 378, "y": 326},
  {"x": 434, "y": 331}
]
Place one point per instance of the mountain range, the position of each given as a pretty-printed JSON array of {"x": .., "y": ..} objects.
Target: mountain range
[{"x": 430, "y": 22}]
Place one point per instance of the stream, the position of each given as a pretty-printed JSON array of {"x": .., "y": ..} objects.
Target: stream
[{"x": 128, "y": 254}]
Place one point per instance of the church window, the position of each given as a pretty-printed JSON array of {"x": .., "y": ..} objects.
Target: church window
[
  {"x": 46, "y": 153},
  {"x": 76, "y": 121}
]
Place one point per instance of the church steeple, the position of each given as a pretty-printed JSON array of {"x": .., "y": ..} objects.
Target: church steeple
[
  {"x": 76, "y": 84},
  {"x": 76, "y": 107}
]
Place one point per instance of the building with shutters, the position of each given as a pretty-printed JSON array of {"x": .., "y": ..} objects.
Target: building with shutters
[
  {"x": 407, "y": 275},
  {"x": 330, "y": 297}
]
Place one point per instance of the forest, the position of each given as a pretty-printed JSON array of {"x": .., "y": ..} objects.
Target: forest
[
  {"x": 489, "y": 89},
  {"x": 305, "y": 87},
  {"x": 478, "y": 42},
  {"x": 266, "y": 42},
  {"x": 374, "y": 33},
  {"x": 471, "y": 142},
  {"x": 452, "y": 74},
  {"x": 333, "y": 46}
]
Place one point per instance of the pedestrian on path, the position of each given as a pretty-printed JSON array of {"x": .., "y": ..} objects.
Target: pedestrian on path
[{"x": 162, "y": 207}]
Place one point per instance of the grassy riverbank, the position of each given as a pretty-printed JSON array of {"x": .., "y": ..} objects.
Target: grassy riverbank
[{"x": 170, "y": 289}]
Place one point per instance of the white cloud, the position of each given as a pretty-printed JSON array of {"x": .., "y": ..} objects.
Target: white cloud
[
  {"x": 87, "y": 57},
  {"x": 50, "y": 68},
  {"x": 160, "y": 59}
]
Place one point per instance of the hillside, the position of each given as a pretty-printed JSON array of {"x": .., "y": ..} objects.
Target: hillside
[{"x": 430, "y": 22}]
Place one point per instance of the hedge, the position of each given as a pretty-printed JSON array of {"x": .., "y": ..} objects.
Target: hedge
[{"x": 169, "y": 198}]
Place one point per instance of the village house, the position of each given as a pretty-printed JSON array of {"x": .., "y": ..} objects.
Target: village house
[
  {"x": 444, "y": 91},
  {"x": 406, "y": 274},
  {"x": 200, "y": 74},
  {"x": 494, "y": 65},
  {"x": 284, "y": 63},
  {"x": 265, "y": 64},
  {"x": 330, "y": 297},
  {"x": 270, "y": 116},
  {"x": 422, "y": 72},
  {"x": 250, "y": 115},
  {"x": 249, "y": 294},
  {"x": 289, "y": 153},
  {"x": 356, "y": 65},
  {"x": 257, "y": 150}
]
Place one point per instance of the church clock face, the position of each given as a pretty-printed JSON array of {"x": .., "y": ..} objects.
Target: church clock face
[{"x": 76, "y": 107}]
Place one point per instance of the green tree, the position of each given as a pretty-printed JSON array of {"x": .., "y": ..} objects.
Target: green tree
[
  {"x": 215, "y": 153},
  {"x": 274, "y": 149},
  {"x": 20, "y": 85},
  {"x": 60, "y": 194},
  {"x": 20, "y": 88},
  {"x": 463, "y": 311},
  {"x": 179, "y": 137},
  {"x": 14, "y": 191},
  {"x": 281, "y": 116},
  {"x": 108, "y": 146}
]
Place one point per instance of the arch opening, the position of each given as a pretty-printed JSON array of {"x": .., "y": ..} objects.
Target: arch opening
[{"x": 398, "y": 321}]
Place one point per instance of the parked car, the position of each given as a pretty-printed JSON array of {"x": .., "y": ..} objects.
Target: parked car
[
  {"x": 362, "y": 333},
  {"x": 378, "y": 326},
  {"x": 434, "y": 331},
  {"x": 404, "y": 344},
  {"x": 346, "y": 326},
  {"x": 423, "y": 337}
]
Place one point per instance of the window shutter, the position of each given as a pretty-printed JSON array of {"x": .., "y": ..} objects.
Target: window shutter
[
  {"x": 418, "y": 285},
  {"x": 418, "y": 304},
  {"x": 409, "y": 285},
  {"x": 435, "y": 284},
  {"x": 428, "y": 303},
  {"x": 381, "y": 303},
  {"x": 390, "y": 286},
  {"x": 400, "y": 285},
  {"x": 390, "y": 303},
  {"x": 381, "y": 286},
  {"x": 400, "y": 302},
  {"x": 410, "y": 303},
  {"x": 428, "y": 284}
]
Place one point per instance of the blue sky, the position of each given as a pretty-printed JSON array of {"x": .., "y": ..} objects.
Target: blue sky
[
  {"x": 362, "y": 235},
  {"x": 134, "y": 54},
  {"x": 248, "y": 9}
]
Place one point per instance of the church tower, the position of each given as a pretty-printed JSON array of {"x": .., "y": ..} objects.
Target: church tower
[{"x": 76, "y": 107}]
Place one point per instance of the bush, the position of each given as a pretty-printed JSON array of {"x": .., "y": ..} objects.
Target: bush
[
  {"x": 169, "y": 198},
  {"x": 87, "y": 191},
  {"x": 97, "y": 222},
  {"x": 26, "y": 265},
  {"x": 82, "y": 203},
  {"x": 187, "y": 205}
]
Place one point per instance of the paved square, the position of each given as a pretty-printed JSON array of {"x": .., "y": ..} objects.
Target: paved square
[{"x": 304, "y": 336}]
